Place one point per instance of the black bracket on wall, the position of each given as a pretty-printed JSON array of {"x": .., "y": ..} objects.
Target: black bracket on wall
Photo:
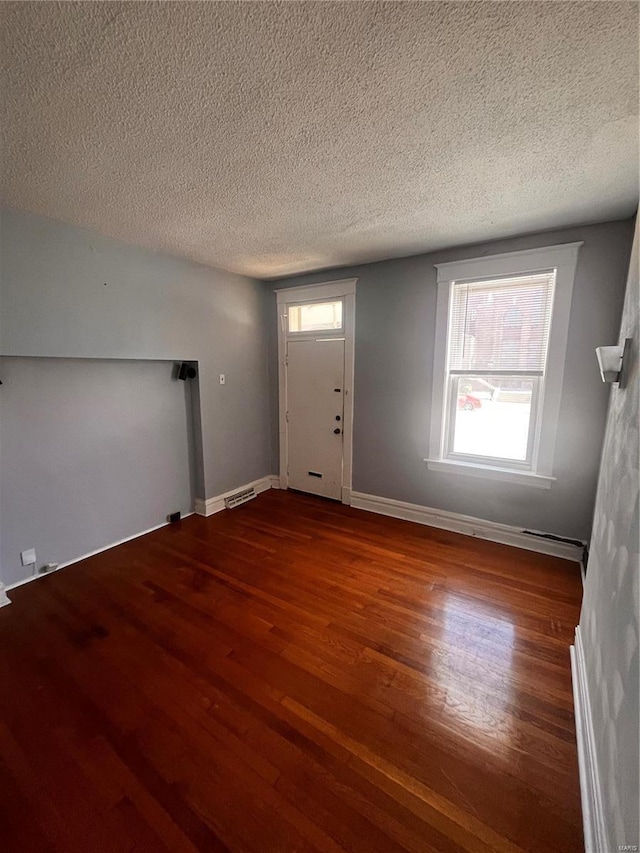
[{"x": 186, "y": 371}]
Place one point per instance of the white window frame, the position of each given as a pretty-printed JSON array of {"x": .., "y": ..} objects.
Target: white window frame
[
  {"x": 563, "y": 259},
  {"x": 327, "y": 291}
]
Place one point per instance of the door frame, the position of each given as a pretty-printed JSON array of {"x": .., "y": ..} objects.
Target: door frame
[{"x": 327, "y": 290}]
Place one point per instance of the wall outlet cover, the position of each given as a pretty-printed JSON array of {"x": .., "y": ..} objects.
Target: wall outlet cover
[{"x": 28, "y": 557}]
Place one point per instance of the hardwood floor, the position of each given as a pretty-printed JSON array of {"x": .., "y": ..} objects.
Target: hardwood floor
[{"x": 292, "y": 675}]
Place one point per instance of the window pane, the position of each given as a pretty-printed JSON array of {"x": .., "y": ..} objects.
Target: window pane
[
  {"x": 491, "y": 416},
  {"x": 315, "y": 317},
  {"x": 502, "y": 324}
]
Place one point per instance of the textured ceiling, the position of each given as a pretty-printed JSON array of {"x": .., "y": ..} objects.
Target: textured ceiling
[{"x": 272, "y": 138}]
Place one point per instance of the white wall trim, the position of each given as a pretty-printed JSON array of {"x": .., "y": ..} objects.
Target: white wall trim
[
  {"x": 202, "y": 507},
  {"x": 563, "y": 258},
  {"x": 346, "y": 289},
  {"x": 583, "y": 572},
  {"x": 593, "y": 818},
  {"x": 504, "y": 475},
  {"x": 466, "y": 524},
  {"x": 525, "y": 260},
  {"x": 313, "y": 292},
  {"x": 556, "y": 361},
  {"x": 205, "y": 508},
  {"x": 92, "y": 553},
  {"x": 211, "y": 506}
]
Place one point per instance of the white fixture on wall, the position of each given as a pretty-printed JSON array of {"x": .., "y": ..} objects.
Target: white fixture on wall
[
  {"x": 28, "y": 557},
  {"x": 611, "y": 361}
]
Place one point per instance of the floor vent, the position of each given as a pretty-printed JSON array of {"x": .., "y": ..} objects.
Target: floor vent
[{"x": 239, "y": 498}]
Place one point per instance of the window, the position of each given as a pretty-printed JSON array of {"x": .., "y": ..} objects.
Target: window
[
  {"x": 498, "y": 337},
  {"x": 500, "y": 344},
  {"x": 315, "y": 316}
]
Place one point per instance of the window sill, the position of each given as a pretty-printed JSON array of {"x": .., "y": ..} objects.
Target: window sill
[{"x": 504, "y": 475}]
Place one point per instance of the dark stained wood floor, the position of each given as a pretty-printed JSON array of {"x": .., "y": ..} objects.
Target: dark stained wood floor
[{"x": 292, "y": 675}]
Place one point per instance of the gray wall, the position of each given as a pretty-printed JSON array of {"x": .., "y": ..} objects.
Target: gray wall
[
  {"x": 91, "y": 452},
  {"x": 68, "y": 292},
  {"x": 609, "y": 620},
  {"x": 395, "y": 326}
]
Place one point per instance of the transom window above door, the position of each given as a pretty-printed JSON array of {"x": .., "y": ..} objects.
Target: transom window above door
[{"x": 315, "y": 317}]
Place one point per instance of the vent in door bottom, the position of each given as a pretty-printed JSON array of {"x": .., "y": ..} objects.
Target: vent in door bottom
[
  {"x": 239, "y": 498},
  {"x": 314, "y": 474}
]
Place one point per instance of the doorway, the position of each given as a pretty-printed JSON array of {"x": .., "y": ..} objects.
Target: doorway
[{"x": 315, "y": 372}]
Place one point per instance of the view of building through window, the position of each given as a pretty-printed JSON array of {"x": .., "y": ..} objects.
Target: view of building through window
[
  {"x": 492, "y": 416},
  {"x": 498, "y": 340}
]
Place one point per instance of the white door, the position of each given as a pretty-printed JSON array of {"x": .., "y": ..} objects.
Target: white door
[{"x": 315, "y": 415}]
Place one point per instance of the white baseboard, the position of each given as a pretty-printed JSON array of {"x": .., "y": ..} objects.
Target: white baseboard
[
  {"x": 503, "y": 533},
  {"x": 211, "y": 506},
  {"x": 86, "y": 556},
  {"x": 593, "y": 819},
  {"x": 202, "y": 507}
]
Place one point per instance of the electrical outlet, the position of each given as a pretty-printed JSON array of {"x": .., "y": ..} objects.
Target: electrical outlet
[{"x": 28, "y": 557}]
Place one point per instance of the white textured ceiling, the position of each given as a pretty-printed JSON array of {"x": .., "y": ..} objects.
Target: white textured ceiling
[{"x": 272, "y": 138}]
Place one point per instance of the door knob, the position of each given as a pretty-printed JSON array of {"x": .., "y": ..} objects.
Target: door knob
[
  {"x": 338, "y": 418},
  {"x": 337, "y": 431}
]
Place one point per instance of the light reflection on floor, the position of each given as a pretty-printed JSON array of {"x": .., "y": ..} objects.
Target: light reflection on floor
[{"x": 474, "y": 670}]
